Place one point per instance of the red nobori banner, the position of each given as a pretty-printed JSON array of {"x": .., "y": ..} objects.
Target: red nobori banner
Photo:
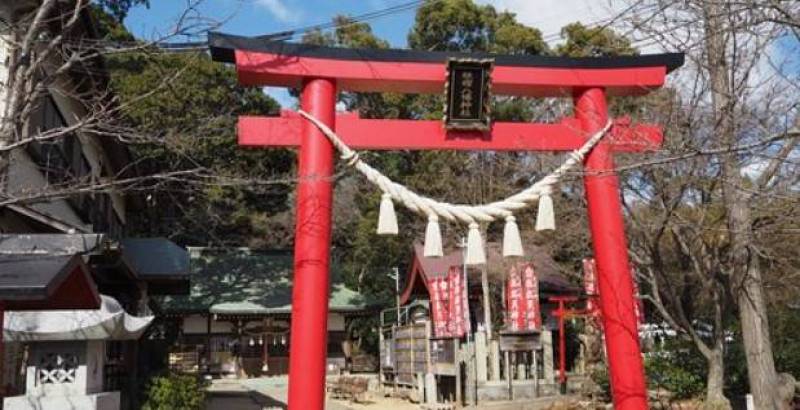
[
  {"x": 592, "y": 289},
  {"x": 459, "y": 317},
  {"x": 449, "y": 304},
  {"x": 440, "y": 307},
  {"x": 522, "y": 299},
  {"x": 530, "y": 283}
]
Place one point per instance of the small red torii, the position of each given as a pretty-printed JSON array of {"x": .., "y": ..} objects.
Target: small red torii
[{"x": 321, "y": 72}]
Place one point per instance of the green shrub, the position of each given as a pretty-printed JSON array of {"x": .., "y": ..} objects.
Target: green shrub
[
  {"x": 783, "y": 324},
  {"x": 175, "y": 392},
  {"x": 668, "y": 370},
  {"x": 600, "y": 377}
]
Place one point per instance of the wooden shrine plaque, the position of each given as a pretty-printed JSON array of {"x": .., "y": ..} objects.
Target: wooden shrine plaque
[
  {"x": 467, "y": 94},
  {"x": 519, "y": 341}
]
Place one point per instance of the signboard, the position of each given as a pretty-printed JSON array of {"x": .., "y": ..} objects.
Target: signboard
[
  {"x": 519, "y": 341},
  {"x": 467, "y": 99}
]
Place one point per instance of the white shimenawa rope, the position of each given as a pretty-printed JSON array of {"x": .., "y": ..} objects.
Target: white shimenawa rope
[{"x": 468, "y": 214}]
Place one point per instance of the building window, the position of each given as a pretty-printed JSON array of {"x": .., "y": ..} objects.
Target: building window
[
  {"x": 50, "y": 154},
  {"x": 61, "y": 160}
]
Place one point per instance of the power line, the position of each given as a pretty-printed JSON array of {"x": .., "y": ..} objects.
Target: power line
[
  {"x": 598, "y": 26},
  {"x": 399, "y": 8},
  {"x": 332, "y": 25},
  {"x": 601, "y": 24},
  {"x": 109, "y": 45}
]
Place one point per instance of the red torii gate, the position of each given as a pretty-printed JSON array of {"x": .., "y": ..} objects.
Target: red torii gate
[{"x": 320, "y": 72}]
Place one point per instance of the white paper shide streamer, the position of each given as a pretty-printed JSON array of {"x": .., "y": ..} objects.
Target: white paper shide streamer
[
  {"x": 472, "y": 215},
  {"x": 512, "y": 243},
  {"x": 433, "y": 238},
  {"x": 545, "y": 216},
  {"x": 387, "y": 219}
]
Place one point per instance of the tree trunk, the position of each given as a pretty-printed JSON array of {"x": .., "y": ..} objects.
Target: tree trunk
[
  {"x": 745, "y": 272},
  {"x": 715, "y": 382},
  {"x": 757, "y": 345}
]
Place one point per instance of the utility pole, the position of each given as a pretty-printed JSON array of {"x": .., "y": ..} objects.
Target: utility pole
[
  {"x": 487, "y": 306},
  {"x": 470, "y": 358},
  {"x": 397, "y": 291}
]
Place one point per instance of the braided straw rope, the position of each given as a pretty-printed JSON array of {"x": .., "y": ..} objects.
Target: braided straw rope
[{"x": 468, "y": 214}]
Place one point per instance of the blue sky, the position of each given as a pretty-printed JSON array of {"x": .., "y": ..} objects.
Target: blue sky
[{"x": 255, "y": 17}]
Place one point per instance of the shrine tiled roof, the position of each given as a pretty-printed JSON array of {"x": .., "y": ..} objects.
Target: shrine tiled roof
[
  {"x": 242, "y": 281},
  {"x": 156, "y": 258}
]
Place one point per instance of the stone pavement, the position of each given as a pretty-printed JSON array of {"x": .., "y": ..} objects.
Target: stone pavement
[
  {"x": 232, "y": 402},
  {"x": 269, "y": 393},
  {"x": 266, "y": 393},
  {"x": 228, "y": 394}
]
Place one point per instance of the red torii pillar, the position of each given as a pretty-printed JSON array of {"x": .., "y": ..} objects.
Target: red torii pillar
[
  {"x": 615, "y": 282},
  {"x": 309, "y": 324},
  {"x": 319, "y": 71}
]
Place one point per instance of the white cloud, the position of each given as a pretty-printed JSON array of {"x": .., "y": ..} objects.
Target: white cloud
[
  {"x": 550, "y": 16},
  {"x": 282, "y": 96},
  {"x": 280, "y": 11},
  {"x": 754, "y": 169}
]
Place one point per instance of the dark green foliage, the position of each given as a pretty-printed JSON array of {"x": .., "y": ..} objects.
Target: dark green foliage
[
  {"x": 677, "y": 371},
  {"x": 180, "y": 113},
  {"x": 462, "y": 25},
  {"x": 108, "y": 27},
  {"x": 186, "y": 108},
  {"x": 784, "y": 323},
  {"x": 175, "y": 392},
  {"x": 118, "y": 9},
  {"x": 582, "y": 41},
  {"x": 785, "y": 329},
  {"x": 677, "y": 368}
]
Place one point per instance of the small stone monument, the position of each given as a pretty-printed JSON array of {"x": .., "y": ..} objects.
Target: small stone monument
[{"x": 66, "y": 355}]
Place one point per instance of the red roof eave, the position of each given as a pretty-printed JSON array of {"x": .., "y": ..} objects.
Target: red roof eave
[{"x": 416, "y": 273}]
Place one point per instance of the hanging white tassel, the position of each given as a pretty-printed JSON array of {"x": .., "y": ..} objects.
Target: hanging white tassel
[
  {"x": 475, "y": 253},
  {"x": 512, "y": 244},
  {"x": 387, "y": 220},
  {"x": 545, "y": 219},
  {"x": 433, "y": 238}
]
